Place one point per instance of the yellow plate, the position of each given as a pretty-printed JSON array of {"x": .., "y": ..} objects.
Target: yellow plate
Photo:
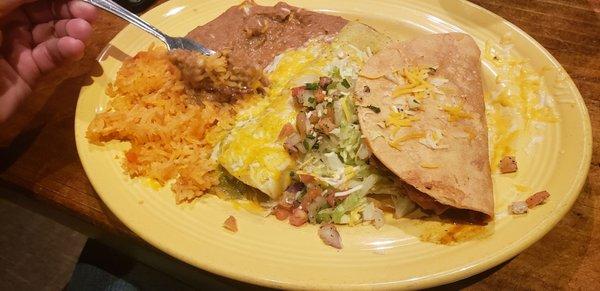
[{"x": 268, "y": 252}]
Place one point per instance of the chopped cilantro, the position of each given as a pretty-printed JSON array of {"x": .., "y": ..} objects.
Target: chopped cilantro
[
  {"x": 311, "y": 86},
  {"x": 374, "y": 108},
  {"x": 336, "y": 73},
  {"x": 345, "y": 83},
  {"x": 306, "y": 145}
]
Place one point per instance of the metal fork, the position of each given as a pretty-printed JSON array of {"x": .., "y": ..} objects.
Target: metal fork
[{"x": 171, "y": 42}]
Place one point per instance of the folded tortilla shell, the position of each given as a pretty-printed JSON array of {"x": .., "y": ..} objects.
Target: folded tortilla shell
[{"x": 458, "y": 173}]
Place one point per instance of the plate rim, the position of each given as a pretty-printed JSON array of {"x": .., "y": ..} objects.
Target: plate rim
[{"x": 504, "y": 254}]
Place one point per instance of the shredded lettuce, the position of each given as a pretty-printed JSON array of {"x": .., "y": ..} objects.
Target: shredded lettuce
[
  {"x": 324, "y": 215},
  {"x": 340, "y": 161},
  {"x": 354, "y": 200},
  {"x": 402, "y": 206},
  {"x": 337, "y": 163}
]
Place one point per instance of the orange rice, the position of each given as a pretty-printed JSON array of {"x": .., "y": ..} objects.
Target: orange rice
[{"x": 171, "y": 133}]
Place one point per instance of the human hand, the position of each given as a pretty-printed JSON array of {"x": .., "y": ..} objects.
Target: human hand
[{"x": 37, "y": 36}]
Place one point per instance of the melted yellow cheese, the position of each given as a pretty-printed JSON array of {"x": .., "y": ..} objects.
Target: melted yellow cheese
[
  {"x": 252, "y": 151},
  {"x": 519, "y": 99}
]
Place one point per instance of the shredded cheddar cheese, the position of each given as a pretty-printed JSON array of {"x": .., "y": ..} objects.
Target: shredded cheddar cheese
[
  {"x": 429, "y": 165},
  {"x": 396, "y": 143},
  {"x": 415, "y": 82},
  {"x": 456, "y": 113},
  {"x": 519, "y": 99},
  {"x": 399, "y": 119},
  {"x": 153, "y": 183}
]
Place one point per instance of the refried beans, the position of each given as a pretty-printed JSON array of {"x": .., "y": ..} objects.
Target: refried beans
[
  {"x": 253, "y": 35},
  {"x": 247, "y": 38}
]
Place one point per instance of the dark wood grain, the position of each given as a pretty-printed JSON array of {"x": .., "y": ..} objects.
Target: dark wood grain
[{"x": 38, "y": 156}]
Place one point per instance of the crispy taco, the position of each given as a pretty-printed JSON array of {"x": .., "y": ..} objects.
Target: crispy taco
[{"x": 422, "y": 112}]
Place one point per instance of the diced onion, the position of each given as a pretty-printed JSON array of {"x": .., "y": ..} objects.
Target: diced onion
[
  {"x": 363, "y": 151},
  {"x": 368, "y": 183},
  {"x": 368, "y": 212},
  {"x": 402, "y": 206},
  {"x": 378, "y": 218},
  {"x": 330, "y": 236},
  {"x": 348, "y": 192}
]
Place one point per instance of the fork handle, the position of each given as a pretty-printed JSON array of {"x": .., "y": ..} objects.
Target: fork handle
[{"x": 120, "y": 11}]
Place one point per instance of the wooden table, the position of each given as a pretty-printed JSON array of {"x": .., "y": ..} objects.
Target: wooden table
[{"x": 38, "y": 157}]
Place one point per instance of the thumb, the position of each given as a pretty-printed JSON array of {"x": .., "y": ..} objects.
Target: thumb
[{"x": 6, "y": 6}]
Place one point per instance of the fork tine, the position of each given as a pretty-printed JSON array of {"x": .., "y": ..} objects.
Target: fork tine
[{"x": 188, "y": 44}]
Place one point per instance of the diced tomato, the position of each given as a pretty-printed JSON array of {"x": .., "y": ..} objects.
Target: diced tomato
[
  {"x": 301, "y": 122},
  {"x": 297, "y": 93},
  {"x": 282, "y": 213},
  {"x": 312, "y": 193},
  {"x": 286, "y": 131},
  {"x": 306, "y": 179},
  {"x": 320, "y": 96},
  {"x": 324, "y": 82},
  {"x": 231, "y": 224},
  {"x": 298, "y": 217},
  {"x": 508, "y": 164},
  {"x": 314, "y": 118},
  {"x": 537, "y": 198},
  {"x": 326, "y": 125},
  {"x": 331, "y": 199},
  {"x": 290, "y": 143},
  {"x": 330, "y": 114}
]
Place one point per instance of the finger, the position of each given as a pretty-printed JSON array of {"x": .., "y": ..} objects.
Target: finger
[
  {"x": 56, "y": 51},
  {"x": 17, "y": 51},
  {"x": 42, "y": 32},
  {"x": 6, "y": 6},
  {"x": 76, "y": 28},
  {"x": 48, "y": 10},
  {"x": 13, "y": 89},
  {"x": 79, "y": 9}
]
